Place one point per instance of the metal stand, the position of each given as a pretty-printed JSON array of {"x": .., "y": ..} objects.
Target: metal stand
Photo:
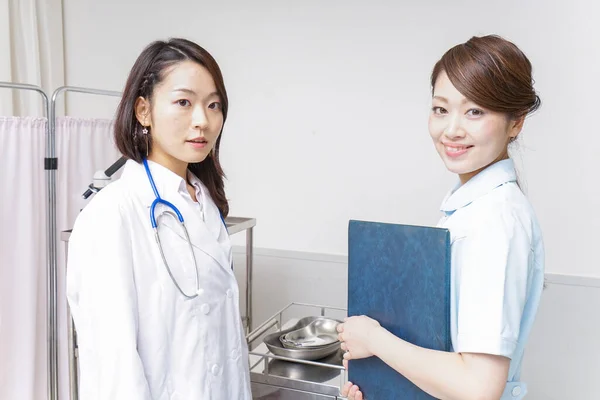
[
  {"x": 235, "y": 225},
  {"x": 50, "y": 165},
  {"x": 285, "y": 378}
]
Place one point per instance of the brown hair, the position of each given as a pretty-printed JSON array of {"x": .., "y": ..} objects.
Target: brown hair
[
  {"x": 493, "y": 73},
  {"x": 148, "y": 71}
]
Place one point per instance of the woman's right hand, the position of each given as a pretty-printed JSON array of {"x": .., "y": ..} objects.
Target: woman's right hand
[{"x": 351, "y": 392}]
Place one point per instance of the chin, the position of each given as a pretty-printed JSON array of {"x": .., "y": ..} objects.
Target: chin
[
  {"x": 198, "y": 158},
  {"x": 459, "y": 167}
]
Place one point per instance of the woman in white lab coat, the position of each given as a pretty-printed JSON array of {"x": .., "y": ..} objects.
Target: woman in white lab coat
[
  {"x": 148, "y": 327},
  {"x": 482, "y": 92}
]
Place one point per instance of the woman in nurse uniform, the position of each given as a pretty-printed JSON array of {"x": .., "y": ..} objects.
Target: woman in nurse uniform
[
  {"x": 160, "y": 320},
  {"x": 482, "y": 92}
]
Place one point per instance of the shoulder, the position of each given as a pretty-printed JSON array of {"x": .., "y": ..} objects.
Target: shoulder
[
  {"x": 503, "y": 210},
  {"x": 111, "y": 198},
  {"x": 105, "y": 209}
]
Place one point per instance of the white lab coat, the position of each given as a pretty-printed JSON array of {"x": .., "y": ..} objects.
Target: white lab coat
[{"x": 138, "y": 337}]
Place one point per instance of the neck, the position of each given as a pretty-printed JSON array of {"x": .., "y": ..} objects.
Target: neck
[
  {"x": 177, "y": 166},
  {"x": 464, "y": 178}
]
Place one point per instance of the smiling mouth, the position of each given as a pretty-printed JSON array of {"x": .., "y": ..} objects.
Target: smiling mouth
[{"x": 456, "y": 149}]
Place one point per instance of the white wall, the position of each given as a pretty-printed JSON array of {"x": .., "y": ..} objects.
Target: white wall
[{"x": 329, "y": 104}]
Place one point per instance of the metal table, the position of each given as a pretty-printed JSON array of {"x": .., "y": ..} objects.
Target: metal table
[
  {"x": 234, "y": 225},
  {"x": 274, "y": 377}
]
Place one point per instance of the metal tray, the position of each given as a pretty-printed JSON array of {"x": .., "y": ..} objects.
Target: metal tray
[{"x": 308, "y": 373}]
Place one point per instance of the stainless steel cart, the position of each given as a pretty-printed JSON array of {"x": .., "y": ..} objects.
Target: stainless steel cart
[
  {"x": 234, "y": 225},
  {"x": 275, "y": 377}
]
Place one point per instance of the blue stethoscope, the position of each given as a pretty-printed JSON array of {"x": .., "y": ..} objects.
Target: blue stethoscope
[{"x": 175, "y": 214}]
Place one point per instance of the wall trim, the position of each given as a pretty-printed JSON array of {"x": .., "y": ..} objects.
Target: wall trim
[
  {"x": 573, "y": 280},
  {"x": 551, "y": 277},
  {"x": 294, "y": 255}
]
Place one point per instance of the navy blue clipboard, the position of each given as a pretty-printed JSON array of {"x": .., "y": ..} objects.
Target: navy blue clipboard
[{"x": 400, "y": 276}]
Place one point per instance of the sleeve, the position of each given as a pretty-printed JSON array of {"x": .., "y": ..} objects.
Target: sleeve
[
  {"x": 494, "y": 269},
  {"x": 102, "y": 298}
]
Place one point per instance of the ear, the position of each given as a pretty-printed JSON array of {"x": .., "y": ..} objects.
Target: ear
[
  {"x": 142, "y": 111},
  {"x": 514, "y": 128}
]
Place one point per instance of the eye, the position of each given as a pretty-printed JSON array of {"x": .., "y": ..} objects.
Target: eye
[
  {"x": 439, "y": 110},
  {"x": 215, "y": 105},
  {"x": 475, "y": 112},
  {"x": 184, "y": 102}
]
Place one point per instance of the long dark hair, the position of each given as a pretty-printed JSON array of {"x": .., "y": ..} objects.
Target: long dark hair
[{"x": 148, "y": 71}]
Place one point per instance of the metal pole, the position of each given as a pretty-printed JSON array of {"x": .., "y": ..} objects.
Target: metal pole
[
  {"x": 62, "y": 89},
  {"x": 72, "y": 335},
  {"x": 249, "y": 259},
  {"x": 51, "y": 254}
]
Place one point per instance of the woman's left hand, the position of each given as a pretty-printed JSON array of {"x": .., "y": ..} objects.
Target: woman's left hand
[{"x": 356, "y": 336}]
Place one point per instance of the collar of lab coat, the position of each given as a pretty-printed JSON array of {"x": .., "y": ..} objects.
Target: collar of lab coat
[
  {"x": 169, "y": 184},
  {"x": 484, "y": 182}
]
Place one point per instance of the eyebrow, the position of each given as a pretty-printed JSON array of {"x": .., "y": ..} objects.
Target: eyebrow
[
  {"x": 445, "y": 100},
  {"x": 190, "y": 91},
  {"x": 185, "y": 90}
]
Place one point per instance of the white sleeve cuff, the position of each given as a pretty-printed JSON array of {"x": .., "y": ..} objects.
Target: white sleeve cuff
[{"x": 495, "y": 345}]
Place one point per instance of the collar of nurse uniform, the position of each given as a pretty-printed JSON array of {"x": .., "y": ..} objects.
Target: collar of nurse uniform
[{"x": 484, "y": 182}]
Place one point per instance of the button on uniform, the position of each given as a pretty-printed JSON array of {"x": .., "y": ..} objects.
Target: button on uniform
[
  {"x": 215, "y": 369},
  {"x": 205, "y": 308},
  {"x": 229, "y": 293},
  {"x": 516, "y": 391}
]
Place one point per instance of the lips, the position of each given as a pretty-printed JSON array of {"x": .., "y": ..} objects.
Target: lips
[
  {"x": 198, "y": 140},
  {"x": 198, "y": 143},
  {"x": 455, "y": 150}
]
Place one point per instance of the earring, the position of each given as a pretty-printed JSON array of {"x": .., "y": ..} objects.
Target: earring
[{"x": 145, "y": 134}]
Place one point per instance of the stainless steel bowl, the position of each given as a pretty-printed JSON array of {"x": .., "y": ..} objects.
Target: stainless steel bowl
[
  {"x": 320, "y": 332},
  {"x": 273, "y": 343}
]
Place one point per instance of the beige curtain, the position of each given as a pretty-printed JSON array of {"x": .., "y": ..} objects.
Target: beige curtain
[
  {"x": 31, "y": 45},
  {"x": 31, "y": 52}
]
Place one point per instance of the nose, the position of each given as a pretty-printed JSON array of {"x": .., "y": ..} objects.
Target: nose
[
  {"x": 453, "y": 129},
  {"x": 200, "y": 118}
]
